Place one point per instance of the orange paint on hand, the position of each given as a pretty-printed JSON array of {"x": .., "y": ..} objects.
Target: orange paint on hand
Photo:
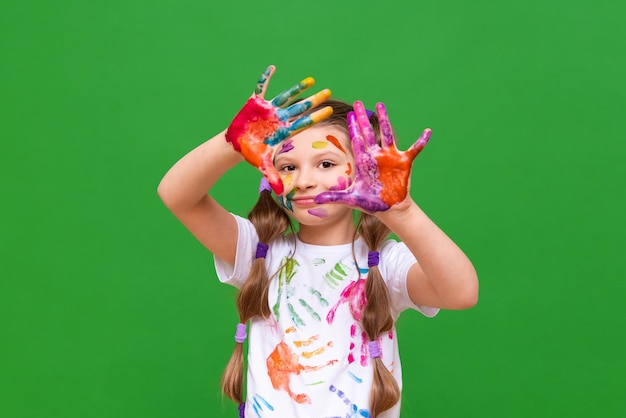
[{"x": 393, "y": 177}]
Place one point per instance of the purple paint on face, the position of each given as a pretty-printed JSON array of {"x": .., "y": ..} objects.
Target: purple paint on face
[
  {"x": 342, "y": 184},
  {"x": 320, "y": 213},
  {"x": 286, "y": 147}
]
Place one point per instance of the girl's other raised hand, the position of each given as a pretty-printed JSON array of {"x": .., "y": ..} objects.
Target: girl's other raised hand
[
  {"x": 261, "y": 124},
  {"x": 382, "y": 172}
]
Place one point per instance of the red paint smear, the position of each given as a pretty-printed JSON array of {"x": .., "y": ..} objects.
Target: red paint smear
[{"x": 335, "y": 142}]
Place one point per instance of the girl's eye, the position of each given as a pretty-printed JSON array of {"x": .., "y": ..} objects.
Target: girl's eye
[
  {"x": 287, "y": 168},
  {"x": 326, "y": 164}
]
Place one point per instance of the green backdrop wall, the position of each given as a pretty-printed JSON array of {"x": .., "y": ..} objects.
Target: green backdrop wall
[{"x": 110, "y": 309}]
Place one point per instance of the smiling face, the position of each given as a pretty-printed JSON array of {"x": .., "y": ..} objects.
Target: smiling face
[{"x": 316, "y": 160}]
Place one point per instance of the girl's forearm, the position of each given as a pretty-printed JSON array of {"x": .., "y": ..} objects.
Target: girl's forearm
[
  {"x": 445, "y": 266},
  {"x": 190, "y": 179}
]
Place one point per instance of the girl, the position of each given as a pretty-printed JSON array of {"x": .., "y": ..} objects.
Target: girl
[{"x": 321, "y": 297}]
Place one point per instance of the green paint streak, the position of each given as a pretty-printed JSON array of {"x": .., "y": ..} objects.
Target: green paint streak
[
  {"x": 310, "y": 310},
  {"x": 331, "y": 282},
  {"x": 295, "y": 317},
  {"x": 340, "y": 268},
  {"x": 319, "y": 296}
]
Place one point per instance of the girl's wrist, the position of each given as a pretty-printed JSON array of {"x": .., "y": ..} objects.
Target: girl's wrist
[{"x": 400, "y": 214}]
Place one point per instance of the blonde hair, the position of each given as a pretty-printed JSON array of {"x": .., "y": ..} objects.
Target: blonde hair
[{"x": 271, "y": 222}]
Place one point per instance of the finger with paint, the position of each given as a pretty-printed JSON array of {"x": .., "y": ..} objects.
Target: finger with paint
[
  {"x": 382, "y": 171},
  {"x": 262, "y": 124}
]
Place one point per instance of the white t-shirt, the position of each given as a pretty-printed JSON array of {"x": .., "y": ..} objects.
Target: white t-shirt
[{"x": 310, "y": 358}]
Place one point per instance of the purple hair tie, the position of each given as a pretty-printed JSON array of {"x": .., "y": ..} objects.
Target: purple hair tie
[
  {"x": 242, "y": 408},
  {"x": 370, "y": 113},
  {"x": 240, "y": 335},
  {"x": 374, "y": 349},
  {"x": 264, "y": 185},
  {"x": 373, "y": 258},
  {"x": 261, "y": 250}
]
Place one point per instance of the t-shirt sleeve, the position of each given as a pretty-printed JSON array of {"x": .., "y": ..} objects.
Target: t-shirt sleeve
[
  {"x": 395, "y": 261},
  {"x": 247, "y": 240}
]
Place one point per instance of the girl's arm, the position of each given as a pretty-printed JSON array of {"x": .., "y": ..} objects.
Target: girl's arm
[
  {"x": 252, "y": 135},
  {"x": 184, "y": 191},
  {"x": 443, "y": 277}
]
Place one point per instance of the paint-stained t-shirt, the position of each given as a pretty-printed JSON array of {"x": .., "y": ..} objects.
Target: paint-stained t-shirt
[{"x": 310, "y": 358}]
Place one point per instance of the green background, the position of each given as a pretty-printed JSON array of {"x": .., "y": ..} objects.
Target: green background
[{"x": 109, "y": 308}]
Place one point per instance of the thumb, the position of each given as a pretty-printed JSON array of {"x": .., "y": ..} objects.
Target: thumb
[{"x": 419, "y": 145}]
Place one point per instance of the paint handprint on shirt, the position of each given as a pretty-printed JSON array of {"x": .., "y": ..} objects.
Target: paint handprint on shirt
[
  {"x": 284, "y": 362},
  {"x": 297, "y": 307}
]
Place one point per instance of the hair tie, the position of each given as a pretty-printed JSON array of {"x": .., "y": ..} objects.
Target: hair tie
[
  {"x": 240, "y": 335},
  {"x": 373, "y": 257},
  {"x": 264, "y": 185},
  {"x": 261, "y": 250},
  {"x": 242, "y": 408},
  {"x": 374, "y": 349},
  {"x": 369, "y": 113}
]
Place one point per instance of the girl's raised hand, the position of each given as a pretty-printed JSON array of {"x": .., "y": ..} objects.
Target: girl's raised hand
[
  {"x": 382, "y": 172},
  {"x": 261, "y": 124}
]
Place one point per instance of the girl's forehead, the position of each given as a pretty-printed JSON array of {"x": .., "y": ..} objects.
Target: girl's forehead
[{"x": 318, "y": 138}]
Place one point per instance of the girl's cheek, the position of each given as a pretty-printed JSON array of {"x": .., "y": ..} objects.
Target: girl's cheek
[
  {"x": 285, "y": 200},
  {"x": 287, "y": 181},
  {"x": 343, "y": 183}
]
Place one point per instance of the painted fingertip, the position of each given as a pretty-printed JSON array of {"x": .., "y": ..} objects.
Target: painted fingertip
[
  {"x": 351, "y": 118},
  {"x": 278, "y": 188},
  {"x": 307, "y": 82},
  {"x": 426, "y": 134},
  {"x": 322, "y": 114}
]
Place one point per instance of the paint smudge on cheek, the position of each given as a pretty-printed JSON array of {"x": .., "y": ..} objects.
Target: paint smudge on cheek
[
  {"x": 286, "y": 147},
  {"x": 349, "y": 170},
  {"x": 285, "y": 201},
  {"x": 320, "y": 213},
  {"x": 333, "y": 140},
  {"x": 342, "y": 184},
  {"x": 319, "y": 144},
  {"x": 288, "y": 180}
]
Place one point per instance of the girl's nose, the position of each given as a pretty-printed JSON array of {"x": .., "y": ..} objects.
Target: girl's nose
[{"x": 305, "y": 180}]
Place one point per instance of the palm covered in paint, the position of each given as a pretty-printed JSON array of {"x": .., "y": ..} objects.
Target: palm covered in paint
[
  {"x": 382, "y": 171},
  {"x": 261, "y": 124}
]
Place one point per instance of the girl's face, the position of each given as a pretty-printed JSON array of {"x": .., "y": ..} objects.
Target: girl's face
[{"x": 313, "y": 161}]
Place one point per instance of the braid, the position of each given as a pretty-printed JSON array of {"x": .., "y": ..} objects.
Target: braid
[
  {"x": 270, "y": 222},
  {"x": 377, "y": 319}
]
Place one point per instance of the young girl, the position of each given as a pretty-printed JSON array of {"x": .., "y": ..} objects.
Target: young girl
[{"x": 321, "y": 298}]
